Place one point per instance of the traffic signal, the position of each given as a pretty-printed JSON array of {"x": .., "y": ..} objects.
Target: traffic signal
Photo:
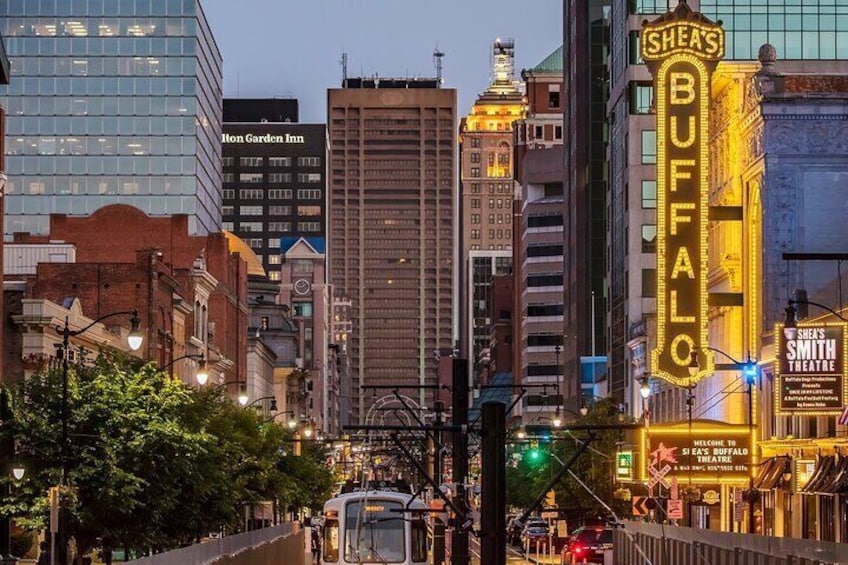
[
  {"x": 550, "y": 498},
  {"x": 534, "y": 455},
  {"x": 750, "y": 372}
]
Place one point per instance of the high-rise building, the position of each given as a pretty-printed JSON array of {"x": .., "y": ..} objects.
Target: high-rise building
[
  {"x": 585, "y": 85},
  {"x": 392, "y": 185},
  {"x": 113, "y": 102},
  {"x": 538, "y": 254},
  {"x": 4, "y": 79},
  {"x": 485, "y": 201},
  {"x": 274, "y": 178}
]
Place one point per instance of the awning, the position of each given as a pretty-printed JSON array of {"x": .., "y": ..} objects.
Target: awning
[
  {"x": 821, "y": 474},
  {"x": 838, "y": 477},
  {"x": 771, "y": 472}
]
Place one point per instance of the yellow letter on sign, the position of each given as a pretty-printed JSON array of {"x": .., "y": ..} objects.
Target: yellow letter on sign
[{"x": 682, "y": 88}]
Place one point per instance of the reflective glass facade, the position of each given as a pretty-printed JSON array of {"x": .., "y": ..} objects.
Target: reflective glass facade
[{"x": 113, "y": 101}]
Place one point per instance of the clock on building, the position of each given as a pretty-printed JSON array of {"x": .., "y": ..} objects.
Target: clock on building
[{"x": 302, "y": 286}]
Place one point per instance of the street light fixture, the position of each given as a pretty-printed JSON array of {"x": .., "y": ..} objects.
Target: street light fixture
[
  {"x": 272, "y": 408},
  {"x": 202, "y": 375},
  {"x": 645, "y": 387},
  {"x": 18, "y": 471},
  {"x": 584, "y": 409}
]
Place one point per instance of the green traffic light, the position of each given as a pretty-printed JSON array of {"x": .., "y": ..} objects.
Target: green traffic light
[{"x": 534, "y": 454}]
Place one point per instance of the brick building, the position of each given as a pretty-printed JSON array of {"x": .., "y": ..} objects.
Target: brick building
[{"x": 190, "y": 291}]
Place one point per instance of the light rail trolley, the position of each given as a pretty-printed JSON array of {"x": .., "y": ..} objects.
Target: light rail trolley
[{"x": 374, "y": 527}]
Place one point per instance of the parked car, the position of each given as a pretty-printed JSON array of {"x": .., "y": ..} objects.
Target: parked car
[
  {"x": 535, "y": 533},
  {"x": 588, "y": 545}
]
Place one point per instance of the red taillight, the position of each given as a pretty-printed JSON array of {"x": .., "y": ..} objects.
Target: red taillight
[{"x": 577, "y": 549}]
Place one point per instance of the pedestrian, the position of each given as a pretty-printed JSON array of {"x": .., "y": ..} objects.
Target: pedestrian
[
  {"x": 316, "y": 545},
  {"x": 44, "y": 555}
]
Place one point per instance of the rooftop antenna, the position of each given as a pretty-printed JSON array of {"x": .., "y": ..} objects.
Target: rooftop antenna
[
  {"x": 344, "y": 67},
  {"x": 437, "y": 60}
]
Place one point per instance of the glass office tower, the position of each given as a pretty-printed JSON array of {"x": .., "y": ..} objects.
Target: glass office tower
[{"x": 114, "y": 101}]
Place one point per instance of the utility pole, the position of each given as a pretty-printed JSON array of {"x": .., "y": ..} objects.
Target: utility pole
[
  {"x": 459, "y": 537},
  {"x": 493, "y": 511},
  {"x": 438, "y": 524}
]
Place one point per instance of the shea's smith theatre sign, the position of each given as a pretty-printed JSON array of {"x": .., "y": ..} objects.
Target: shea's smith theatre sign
[
  {"x": 811, "y": 366},
  {"x": 681, "y": 48}
]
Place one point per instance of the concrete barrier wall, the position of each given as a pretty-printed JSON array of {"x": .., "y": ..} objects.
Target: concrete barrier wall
[
  {"x": 640, "y": 543},
  {"x": 284, "y": 539},
  {"x": 287, "y": 550}
]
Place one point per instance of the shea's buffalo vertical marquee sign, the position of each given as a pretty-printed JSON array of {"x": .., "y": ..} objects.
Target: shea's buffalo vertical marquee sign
[{"x": 681, "y": 48}]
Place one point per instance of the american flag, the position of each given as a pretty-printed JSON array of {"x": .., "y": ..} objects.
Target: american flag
[{"x": 843, "y": 419}]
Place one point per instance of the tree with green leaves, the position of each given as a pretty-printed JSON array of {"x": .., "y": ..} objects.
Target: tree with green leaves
[{"x": 153, "y": 463}]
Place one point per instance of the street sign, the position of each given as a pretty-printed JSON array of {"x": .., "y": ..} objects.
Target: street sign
[
  {"x": 640, "y": 505},
  {"x": 674, "y": 491},
  {"x": 624, "y": 466},
  {"x": 550, "y": 514},
  {"x": 674, "y": 509},
  {"x": 659, "y": 476},
  {"x": 739, "y": 511}
]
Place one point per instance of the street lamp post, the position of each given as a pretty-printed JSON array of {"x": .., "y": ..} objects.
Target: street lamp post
[
  {"x": 750, "y": 370},
  {"x": 134, "y": 340},
  {"x": 273, "y": 406},
  {"x": 557, "y": 421},
  {"x": 202, "y": 374}
]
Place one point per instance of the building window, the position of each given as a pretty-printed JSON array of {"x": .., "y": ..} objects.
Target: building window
[
  {"x": 250, "y": 161},
  {"x": 557, "y": 132},
  {"x": 475, "y": 218},
  {"x": 649, "y": 238},
  {"x": 649, "y": 283},
  {"x": 250, "y": 178},
  {"x": 475, "y": 234},
  {"x": 279, "y": 210},
  {"x": 227, "y": 161},
  {"x": 308, "y": 210},
  {"x": 279, "y": 227},
  {"x": 641, "y": 98},
  {"x": 492, "y": 234},
  {"x": 309, "y": 193},
  {"x": 250, "y": 210},
  {"x": 649, "y": 194},
  {"x": 475, "y": 188},
  {"x": 649, "y": 146},
  {"x": 475, "y": 157},
  {"x": 279, "y": 161},
  {"x": 475, "y": 172},
  {"x": 635, "y": 57},
  {"x": 302, "y": 309},
  {"x": 553, "y": 96},
  {"x": 279, "y": 178},
  {"x": 250, "y": 194},
  {"x": 280, "y": 193},
  {"x": 302, "y": 266},
  {"x": 538, "y": 134},
  {"x": 475, "y": 202},
  {"x": 308, "y": 226},
  {"x": 227, "y": 226},
  {"x": 273, "y": 259},
  {"x": 475, "y": 142},
  {"x": 250, "y": 226},
  {"x": 254, "y": 242},
  {"x": 229, "y": 177},
  {"x": 273, "y": 242},
  {"x": 229, "y": 193},
  {"x": 309, "y": 177},
  {"x": 274, "y": 275},
  {"x": 227, "y": 210},
  {"x": 309, "y": 161}
]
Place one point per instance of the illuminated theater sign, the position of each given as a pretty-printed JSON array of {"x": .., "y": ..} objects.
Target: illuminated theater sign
[
  {"x": 811, "y": 363},
  {"x": 706, "y": 452},
  {"x": 682, "y": 48}
]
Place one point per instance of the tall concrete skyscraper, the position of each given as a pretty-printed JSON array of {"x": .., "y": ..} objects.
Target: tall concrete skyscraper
[
  {"x": 120, "y": 103},
  {"x": 485, "y": 200},
  {"x": 392, "y": 183}
]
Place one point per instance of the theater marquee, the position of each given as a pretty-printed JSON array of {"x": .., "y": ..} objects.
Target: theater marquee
[
  {"x": 681, "y": 48},
  {"x": 811, "y": 364}
]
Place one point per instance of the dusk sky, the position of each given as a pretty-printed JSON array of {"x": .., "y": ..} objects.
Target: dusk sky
[{"x": 292, "y": 48}]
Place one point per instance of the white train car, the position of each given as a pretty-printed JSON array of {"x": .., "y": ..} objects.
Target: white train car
[{"x": 374, "y": 527}]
